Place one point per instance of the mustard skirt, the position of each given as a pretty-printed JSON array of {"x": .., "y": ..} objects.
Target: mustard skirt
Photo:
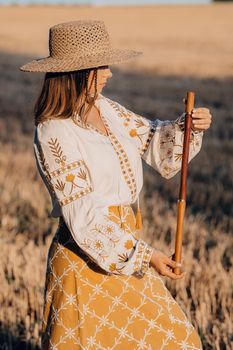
[{"x": 86, "y": 308}]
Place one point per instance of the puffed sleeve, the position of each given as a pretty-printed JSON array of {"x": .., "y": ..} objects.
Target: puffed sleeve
[
  {"x": 159, "y": 142},
  {"x": 67, "y": 174}
]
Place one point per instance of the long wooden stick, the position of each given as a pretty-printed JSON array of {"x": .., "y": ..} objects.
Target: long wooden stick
[{"x": 181, "y": 203}]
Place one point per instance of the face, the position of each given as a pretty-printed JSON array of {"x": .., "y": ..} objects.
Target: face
[{"x": 103, "y": 74}]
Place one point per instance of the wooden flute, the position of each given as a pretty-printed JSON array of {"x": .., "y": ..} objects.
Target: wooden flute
[{"x": 181, "y": 202}]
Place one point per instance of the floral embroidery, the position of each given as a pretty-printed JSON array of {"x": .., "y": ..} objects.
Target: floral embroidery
[
  {"x": 169, "y": 139},
  {"x": 69, "y": 181},
  {"x": 57, "y": 151},
  {"x": 177, "y": 156},
  {"x": 132, "y": 121},
  {"x": 70, "y": 178},
  {"x": 133, "y": 133},
  {"x": 98, "y": 245},
  {"x": 60, "y": 186},
  {"x": 105, "y": 230},
  {"x": 82, "y": 175},
  {"x": 109, "y": 230},
  {"x": 137, "y": 250},
  {"x": 71, "y": 185},
  {"x": 124, "y": 257},
  {"x": 144, "y": 251},
  {"x": 114, "y": 268},
  {"x": 128, "y": 244},
  {"x": 90, "y": 245}
]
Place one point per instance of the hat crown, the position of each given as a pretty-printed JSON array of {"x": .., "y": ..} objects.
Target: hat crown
[
  {"x": 78, "y": 45},
  {"x": 78, "y": 38}
]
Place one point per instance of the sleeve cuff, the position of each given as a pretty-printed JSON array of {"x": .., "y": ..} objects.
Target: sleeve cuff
[
  {"x": 180, "y": 121},
  {"x": 144, "y": 256}
]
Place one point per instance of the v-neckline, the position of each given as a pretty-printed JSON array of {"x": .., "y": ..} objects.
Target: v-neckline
[
  {"x": 78, "y": 121},
  {"x": 124, "y": 162}
]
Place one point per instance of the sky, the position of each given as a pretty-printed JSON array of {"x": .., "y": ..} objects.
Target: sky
[
  {"x": 104, "y": 2},
  {"x": 133, "y": 2}
]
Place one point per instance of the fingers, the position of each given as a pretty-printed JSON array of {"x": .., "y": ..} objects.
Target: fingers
[
  {"x": 172, "y": 263},
  {"x": 165, "y": 266},
  {"x": 200, "y": 109},
  {"x": 201, "y": 116},
  {"x": 201, "y": 123},
  {"x": 172, "y": 275},
  {"x": 172, "y": 257},
  {"x": 197, "y": 126},
  {"x": 201, "y": 113},
  {"x": 201, "y": 119}
]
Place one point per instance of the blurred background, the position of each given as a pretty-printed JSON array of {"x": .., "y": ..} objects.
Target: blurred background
[{"x": 187, "y": 46}]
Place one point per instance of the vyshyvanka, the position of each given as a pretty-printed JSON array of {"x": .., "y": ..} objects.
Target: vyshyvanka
[{"x": 100, "y": 291}]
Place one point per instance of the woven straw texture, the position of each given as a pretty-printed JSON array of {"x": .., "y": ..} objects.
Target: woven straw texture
[{"x": 79, "y": 45}]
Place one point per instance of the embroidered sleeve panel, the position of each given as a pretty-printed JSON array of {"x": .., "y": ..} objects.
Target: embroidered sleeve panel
[
  {"x": 115, "y": 250},
  {"x": 67, "y": 175},
  {"x": 135, "y": 254},
  {"x": 164, "y": 152}
]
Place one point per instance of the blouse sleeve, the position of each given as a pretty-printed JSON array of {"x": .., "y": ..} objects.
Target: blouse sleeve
[
  {"x": 159, "y": 142},
  {"x": 84, "y": 212}
]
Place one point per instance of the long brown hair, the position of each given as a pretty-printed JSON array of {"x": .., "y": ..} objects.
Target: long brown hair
[{"x": 65, "y": 93}]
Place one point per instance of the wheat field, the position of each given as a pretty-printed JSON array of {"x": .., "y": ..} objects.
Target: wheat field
[{"x": 185, "y": 48}]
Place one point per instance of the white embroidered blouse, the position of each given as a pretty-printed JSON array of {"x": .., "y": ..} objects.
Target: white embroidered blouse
[{"x": 86, "y": 171}]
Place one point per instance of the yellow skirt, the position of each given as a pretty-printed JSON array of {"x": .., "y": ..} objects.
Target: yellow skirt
[{"x": 89, "y": 309}]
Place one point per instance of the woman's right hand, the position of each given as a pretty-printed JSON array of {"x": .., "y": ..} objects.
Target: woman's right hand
[{"x": 164, "y": 265}]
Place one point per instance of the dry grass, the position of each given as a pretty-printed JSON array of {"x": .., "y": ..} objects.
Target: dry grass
[{"x": 27, "y": 230}]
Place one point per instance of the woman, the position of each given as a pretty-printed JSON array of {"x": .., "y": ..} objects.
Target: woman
[{"x": 102, "y": 288}]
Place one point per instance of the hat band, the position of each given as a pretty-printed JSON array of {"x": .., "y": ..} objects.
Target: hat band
[{"x": 77, "y": 56}]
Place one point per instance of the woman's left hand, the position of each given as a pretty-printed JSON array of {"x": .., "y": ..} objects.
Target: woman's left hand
[{"x": 201, "y": 119}]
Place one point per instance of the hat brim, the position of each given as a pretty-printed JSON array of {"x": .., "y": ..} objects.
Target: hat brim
[{"x": 50, "y": 64}]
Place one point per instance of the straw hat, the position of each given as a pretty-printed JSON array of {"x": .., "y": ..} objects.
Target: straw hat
[{"x": 78, "y": 45}]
